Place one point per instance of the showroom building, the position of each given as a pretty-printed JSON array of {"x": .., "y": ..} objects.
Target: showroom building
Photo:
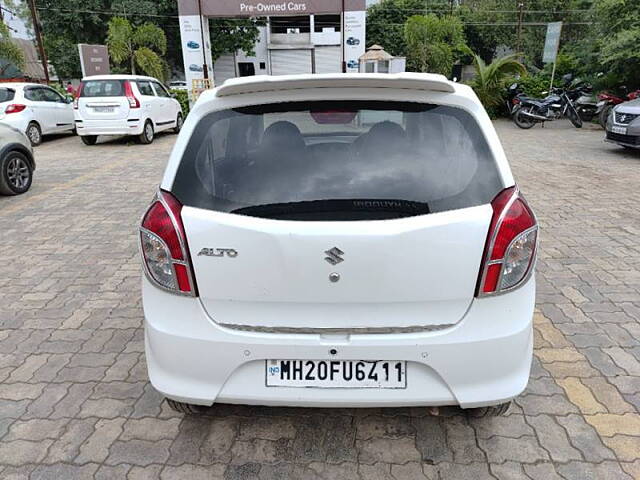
[{"x": 305, "y": 36}]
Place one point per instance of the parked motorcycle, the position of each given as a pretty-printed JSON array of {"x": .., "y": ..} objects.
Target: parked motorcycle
[
  {"x": 513, "y": 98},
  {"x": 559, "y": 104},
  {"x": 581, "y": 94},
  {"x": 608, "y": 100}
]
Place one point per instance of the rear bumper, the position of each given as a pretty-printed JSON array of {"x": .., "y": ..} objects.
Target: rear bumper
[
  {"x": 483, "y": 360},
  {"x": 109, "y": 127}
]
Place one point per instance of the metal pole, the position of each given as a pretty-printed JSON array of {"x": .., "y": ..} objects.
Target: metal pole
[
  {"x": 553, "y": 74},
  {"x": 520, "y": 15},
  {"x": 38, "y": 30},
  {"x": 342, "y": 36},
  {"x": 205, "y": 67}
]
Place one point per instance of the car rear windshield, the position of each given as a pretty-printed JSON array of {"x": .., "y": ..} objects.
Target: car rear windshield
[
  {"x": 357, "y": 160},
  {"x": 103, "y": 88},
  {"x": 6, "y": 94}
]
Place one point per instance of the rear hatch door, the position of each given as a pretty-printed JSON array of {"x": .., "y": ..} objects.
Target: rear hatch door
[
  {"x": 340, "y": 215},
  {"x": 411, "y": 272},
  {"x": 103, "y": 100}
]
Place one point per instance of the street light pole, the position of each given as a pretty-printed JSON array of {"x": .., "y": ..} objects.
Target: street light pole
[
  {"x": 38, "y": 29},
  {"x": 342, "y": 36},
  {"x": 520, "y": 15}
]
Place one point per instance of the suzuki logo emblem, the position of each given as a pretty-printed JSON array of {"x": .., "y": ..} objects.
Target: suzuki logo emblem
[{"x": 334, "y": 256}]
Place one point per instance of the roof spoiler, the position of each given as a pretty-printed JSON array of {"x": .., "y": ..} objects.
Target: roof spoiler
[{"x": 269, "y": 83}]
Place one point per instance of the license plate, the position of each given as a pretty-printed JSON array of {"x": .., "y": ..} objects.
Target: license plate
[
  {"x": 622, "y": 130},
  {"x": 104, "y": 109},
  {"x": 336, "y": 373}
]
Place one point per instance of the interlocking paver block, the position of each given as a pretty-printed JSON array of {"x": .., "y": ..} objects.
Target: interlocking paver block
[{"x": 75, "y": 401}]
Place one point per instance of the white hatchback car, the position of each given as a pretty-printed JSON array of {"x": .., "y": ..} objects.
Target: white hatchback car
[
  {"x": 35, "y": 109},
  {"x": 124, "y": 105},
  {"x": 336, "y": 240}
]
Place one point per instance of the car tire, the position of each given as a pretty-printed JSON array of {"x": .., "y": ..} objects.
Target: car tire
[
  {"x": 490, "y": 411},
  {"x": 147, "y": 135},
  {"x": 16, "y": 173},
  {"x": 89, "y": 139},
  {"x": 604, "y": 115},
  {"x": 34, "y": 134},
  {"x": 179, "y": 122},
  {"x": 186, "y": 408}
]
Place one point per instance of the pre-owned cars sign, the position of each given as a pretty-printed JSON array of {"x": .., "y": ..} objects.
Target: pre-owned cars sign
[
  {"x": 265, "y": 8},
  {"x": 94, "y": 59}
]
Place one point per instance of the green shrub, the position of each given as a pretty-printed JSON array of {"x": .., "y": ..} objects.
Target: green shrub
[
  {"x": 183, "y": 97},
  {"x": 534, "y": 85},
  {"x": 61, "y": 90}
]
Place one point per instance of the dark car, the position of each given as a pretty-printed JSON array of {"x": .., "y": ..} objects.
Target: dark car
[
  {"x": 16, "y": 161},
  {"x": 353, "y": 41}
]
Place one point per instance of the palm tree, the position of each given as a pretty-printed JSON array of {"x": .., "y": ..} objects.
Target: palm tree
[
  {"x": 142, "y": 47},
  {"x": 489, "y": 81},
  {"x": 10, "y": 53}
]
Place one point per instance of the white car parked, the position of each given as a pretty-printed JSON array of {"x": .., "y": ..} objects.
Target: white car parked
[
  {"x": 124, "y": 105},
  {"x": 339, "y": 240},
  {"x": 35, "y": 109}
]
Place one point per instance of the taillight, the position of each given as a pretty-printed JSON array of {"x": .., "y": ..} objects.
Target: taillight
[
  {"x": 76, "y": 99},
  {"x": 510, "y": 251},
  {"x": 164, "y": 246},
  {"x": 515, "y": 101},
  {"x": 128, "y": 92},
  {"x": 14, "y": 108}
]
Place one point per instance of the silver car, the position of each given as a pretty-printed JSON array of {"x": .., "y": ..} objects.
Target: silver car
[
  {"x": 16, "y": 161},
  {"x": 623, "y": 125}
]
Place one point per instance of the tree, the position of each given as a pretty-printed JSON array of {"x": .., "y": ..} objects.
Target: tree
[
  {"x": 385, "y": 23},
  {"x": 68, "y": 23},
  {"x": 486, "y": 26},
  {"x": 10, "y": 53},
  {"x": 231, "y": 35},
  {"x": 141, "y": 47},
  {"x": 434, "y": 43},
  {"x": 490, "y": 79},
  {"x": 619, "y": 39}
]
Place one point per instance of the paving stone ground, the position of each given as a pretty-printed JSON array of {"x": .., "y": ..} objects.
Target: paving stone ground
[{"x": 74, "y": 396}]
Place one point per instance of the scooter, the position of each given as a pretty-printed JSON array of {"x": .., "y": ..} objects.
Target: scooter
[{"x": 606, "y": 101}]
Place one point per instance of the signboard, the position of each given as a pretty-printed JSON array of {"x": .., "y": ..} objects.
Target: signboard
[
  {"x": 354, "y": 34},
  {"x": 94, "y": 59},
  {"x": 265, "y": 8},
  {"x": 195, "y": 52},
  {"x": 552, "y": 42}
]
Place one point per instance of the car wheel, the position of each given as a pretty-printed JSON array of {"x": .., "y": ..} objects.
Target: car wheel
[
  {"x": 89, "y": 139},
  {"x": 179, "y": 122},
  {"x": 34, "y": 133},
  {"x": 146, "y": 137},
  {"x": 16, "y": 173},
  {"x": 490, "y": 411},
  {"x": 604, "y": 115},
  {"x": 186, "y": 408}
]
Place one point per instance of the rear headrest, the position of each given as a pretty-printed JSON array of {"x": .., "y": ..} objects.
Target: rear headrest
[{"x": 282, "y": 134}]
